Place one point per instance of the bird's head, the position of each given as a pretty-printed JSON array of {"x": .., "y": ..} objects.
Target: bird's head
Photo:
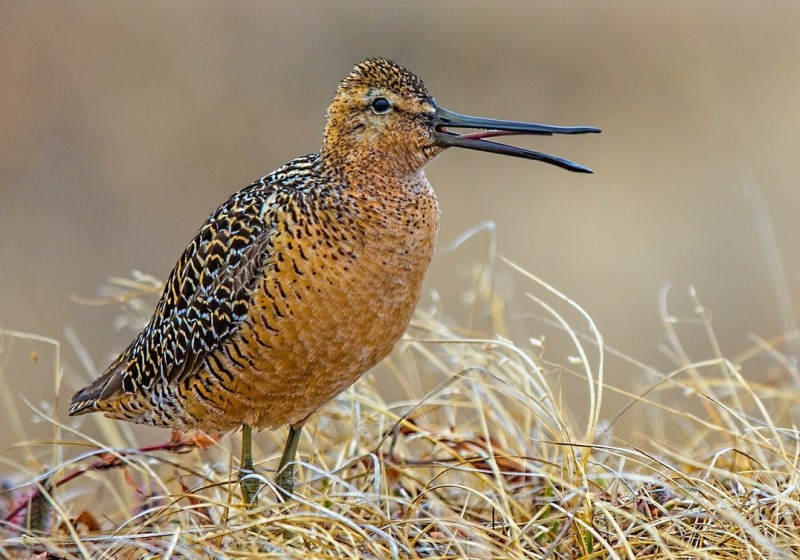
[{"x": 383, "y": 117}]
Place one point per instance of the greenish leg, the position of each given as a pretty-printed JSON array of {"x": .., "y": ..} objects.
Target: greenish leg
[
  {"x": 284, "y": 478},
  {"x": 250, "y": 486}
]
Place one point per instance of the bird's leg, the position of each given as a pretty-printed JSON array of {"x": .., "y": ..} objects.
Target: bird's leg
[
  {"x": 284, "y": 478},
  {"x": 249, "y": 484}
]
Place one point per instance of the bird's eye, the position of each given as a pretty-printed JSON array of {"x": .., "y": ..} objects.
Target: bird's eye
[{"x": 381, "y": 105}]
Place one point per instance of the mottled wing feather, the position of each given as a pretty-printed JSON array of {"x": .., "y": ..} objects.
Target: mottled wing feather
[{"x": 205, "y": 298}]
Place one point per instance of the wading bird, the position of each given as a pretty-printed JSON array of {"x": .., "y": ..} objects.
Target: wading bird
[{"x": 301, "y": 282}]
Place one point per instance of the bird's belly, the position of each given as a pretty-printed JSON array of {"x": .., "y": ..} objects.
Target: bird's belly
[{"x": 317, "y": 325}]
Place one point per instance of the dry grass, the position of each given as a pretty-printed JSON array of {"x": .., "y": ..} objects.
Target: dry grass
[{"x": 476, "y": 456}]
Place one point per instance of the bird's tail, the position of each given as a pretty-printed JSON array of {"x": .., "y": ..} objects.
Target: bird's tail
[{"x": 98, "y": 396}]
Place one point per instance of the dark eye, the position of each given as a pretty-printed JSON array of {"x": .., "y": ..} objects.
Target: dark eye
[{"x": 381, "y": 105}]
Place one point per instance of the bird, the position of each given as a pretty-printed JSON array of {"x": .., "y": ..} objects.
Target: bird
[{"x": 301, "y": 282}]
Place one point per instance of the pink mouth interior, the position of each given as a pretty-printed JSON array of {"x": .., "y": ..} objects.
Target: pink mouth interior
[
  {"x": 489, "y": 134},
  {"x": 482, "y": 134}
]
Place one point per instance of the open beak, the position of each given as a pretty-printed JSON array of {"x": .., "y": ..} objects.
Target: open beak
[{"x": 444, "y": 121}]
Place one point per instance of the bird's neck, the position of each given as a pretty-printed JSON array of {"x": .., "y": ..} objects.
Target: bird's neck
[{"x": 380, "y": 174}]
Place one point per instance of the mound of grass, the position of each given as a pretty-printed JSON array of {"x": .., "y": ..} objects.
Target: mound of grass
[{"x": 474, "y": 455}]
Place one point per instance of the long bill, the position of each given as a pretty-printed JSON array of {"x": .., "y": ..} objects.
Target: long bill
[{"x": 444, "y": 120}]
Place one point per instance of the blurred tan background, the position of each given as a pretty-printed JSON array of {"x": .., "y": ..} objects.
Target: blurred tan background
[{"x": 123, "y": 125}]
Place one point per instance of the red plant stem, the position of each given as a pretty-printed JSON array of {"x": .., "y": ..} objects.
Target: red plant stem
[{"x": 109, "y": 461}]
